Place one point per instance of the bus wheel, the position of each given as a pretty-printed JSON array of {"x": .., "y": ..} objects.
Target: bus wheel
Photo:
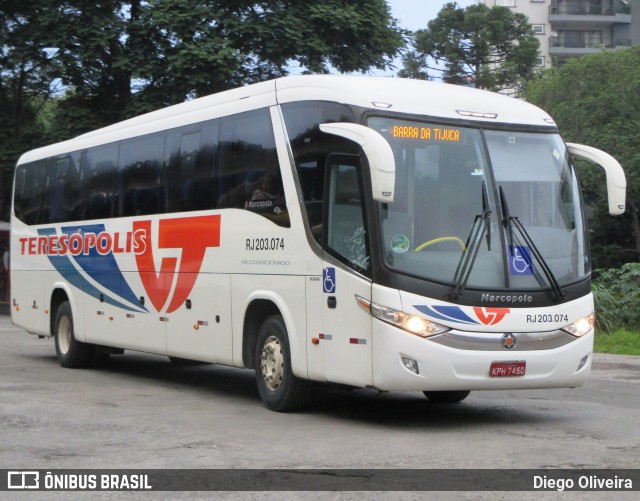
[
  {"x": 279, "y": 389},
  {"x": 71, "y": 353},
  {"x": 446, "y": 397}
]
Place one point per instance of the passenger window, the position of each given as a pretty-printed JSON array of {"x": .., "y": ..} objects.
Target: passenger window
[
  {"x": 191, "y": 156},
  {"x": 64, "y": 188},
  {"x": 99, "y": 172},
  {"x": 140, "y": 173},
  {"x": 31, "y": 186},
  {"x": 346, "y": 233},
  {"x": 248, "y": 171}
]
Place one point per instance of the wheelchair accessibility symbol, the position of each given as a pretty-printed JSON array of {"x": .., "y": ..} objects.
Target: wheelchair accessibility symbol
[
  {"x": 329, "y": 280},
  {"x": 520, "y": 262}
]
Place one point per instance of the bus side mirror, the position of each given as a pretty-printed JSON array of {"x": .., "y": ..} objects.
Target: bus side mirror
[
  {"x": 379, "y": 155},
  {"x": 616, "y": 181}
]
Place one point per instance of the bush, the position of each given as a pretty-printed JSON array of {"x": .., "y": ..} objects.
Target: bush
[
  {"x": 605, "y": 305},
  {"x": 617, "y": 297}
]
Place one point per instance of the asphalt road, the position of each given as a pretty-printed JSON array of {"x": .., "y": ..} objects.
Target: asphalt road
[{"x": 143, "y": 412}]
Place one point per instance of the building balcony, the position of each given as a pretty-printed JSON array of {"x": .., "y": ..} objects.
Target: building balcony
[
  {"x": 589, "y": 11},
  {"x": 581, "y": 45}
]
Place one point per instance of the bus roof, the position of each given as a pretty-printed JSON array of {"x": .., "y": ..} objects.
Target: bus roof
[{"x": 417, "y": 97}]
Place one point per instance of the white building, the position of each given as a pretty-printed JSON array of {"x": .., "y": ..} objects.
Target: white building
[{"x": 572, "y": 28}]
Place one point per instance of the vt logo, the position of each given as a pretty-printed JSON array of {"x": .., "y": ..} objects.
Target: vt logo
[
  {"x": 490, "y": 316},
  {"x": 192, "y": 236},
  {"x": 451, "y": 313}
]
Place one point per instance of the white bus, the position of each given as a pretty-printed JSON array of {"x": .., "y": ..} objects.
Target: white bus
[{"x": 371, "y": 232}]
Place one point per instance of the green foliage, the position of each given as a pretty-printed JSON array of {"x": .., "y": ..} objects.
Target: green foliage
[
  {"x": 132, "y": 56},
  {"x": 605, "y": 305},
  {"x": 119, "y": 58},
  {"x": 594, "y": 100},
  {"x": 492, "y": 48},
  {"x": 414, "y": 66},
  {"x": 619, "y": 342},
  {"x": 617, "y": 298},
  {"x": 25, "y": 78},
  {"x": 200, "y": 47}
]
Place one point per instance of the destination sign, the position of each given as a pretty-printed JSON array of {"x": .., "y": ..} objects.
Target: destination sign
[{"x": 424, "y": 133}]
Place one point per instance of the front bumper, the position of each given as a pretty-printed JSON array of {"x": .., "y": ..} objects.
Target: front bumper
[{"x": 460, "y": 360}]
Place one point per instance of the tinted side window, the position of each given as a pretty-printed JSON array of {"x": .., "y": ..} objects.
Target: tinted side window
[
  {"x": 64, "y": 188},
  {"x": 191, "y": 156},
  {"x": 248, "y": 172},
  {"x": 99, "y": 171},
  {"x": 141, "y": 172},
  {"x": 311, "y": 147},
  {"x": 31, "y": 186}
]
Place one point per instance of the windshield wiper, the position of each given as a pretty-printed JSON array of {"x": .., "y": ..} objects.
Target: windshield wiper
[
  {"x": 479, "y": 228},
  {"x": 486, "y": 212},
  {"x": 509, "y": 223}
]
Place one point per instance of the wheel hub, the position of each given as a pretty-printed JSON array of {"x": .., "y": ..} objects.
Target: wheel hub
[
  {"x": 64, "y": 334},
  {"x": 272, "y": 363}
]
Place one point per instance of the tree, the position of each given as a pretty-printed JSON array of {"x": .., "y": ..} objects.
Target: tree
[
  {"x": 414, "y": 66},
  {"x": 25, "y": 84},
  {"x": 595, "y": 100},
  {"x": 121, "y": 58},
  {"x": 490, "y": 48}
]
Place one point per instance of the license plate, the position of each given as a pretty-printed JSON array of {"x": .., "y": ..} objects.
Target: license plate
[{"x": 507, "y": 369}]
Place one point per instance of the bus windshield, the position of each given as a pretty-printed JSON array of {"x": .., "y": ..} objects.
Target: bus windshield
[{"x": 482, "y": 208}]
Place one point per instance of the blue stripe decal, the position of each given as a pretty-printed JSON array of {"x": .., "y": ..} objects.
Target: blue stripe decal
[
  {"x": 448, "y": 313},
  {"x": 65, "y": 267},
  {"x": 102, "y": 268}
]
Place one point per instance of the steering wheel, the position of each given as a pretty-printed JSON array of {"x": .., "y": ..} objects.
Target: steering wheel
[{"x": 441, "y": 239}]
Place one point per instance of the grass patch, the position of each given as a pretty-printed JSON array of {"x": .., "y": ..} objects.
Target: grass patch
[{"x": 618, "y": 342}]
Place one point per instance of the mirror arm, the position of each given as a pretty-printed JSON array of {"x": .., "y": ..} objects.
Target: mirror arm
[
  {"x": 616, "y": 181},
  {"x": 379, "y": 155}
]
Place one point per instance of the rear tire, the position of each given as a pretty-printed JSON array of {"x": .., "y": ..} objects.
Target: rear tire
[
  {"x": 446, "y": 397},
  {"x": 279, "y": 389},
  {"x": 70, "y": 352}
]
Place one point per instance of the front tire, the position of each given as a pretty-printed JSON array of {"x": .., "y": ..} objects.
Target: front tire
[
  {"x": 446, "y": 397},
  {"x": 70, "y": 352},
  {"x": 279, "y": 389}
]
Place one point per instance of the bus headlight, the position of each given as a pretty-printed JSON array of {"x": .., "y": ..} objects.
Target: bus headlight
[
  {"x": 410, "y": 323},
  {"x": 582, "y": 326}
]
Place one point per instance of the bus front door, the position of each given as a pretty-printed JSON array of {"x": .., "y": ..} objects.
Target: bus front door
[{"x": 345, "y": 340}]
